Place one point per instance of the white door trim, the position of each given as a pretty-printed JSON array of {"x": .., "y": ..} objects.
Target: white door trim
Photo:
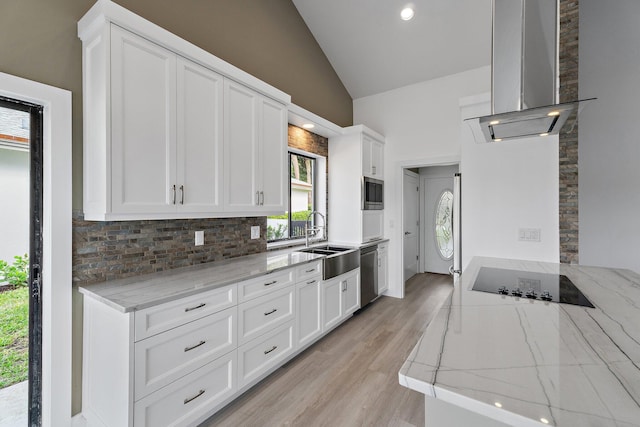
[
  {"x": 56, "y": 269},
  {"x": 396, "y": 284}
]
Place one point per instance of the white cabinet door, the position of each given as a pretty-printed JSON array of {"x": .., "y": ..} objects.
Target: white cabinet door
[
  {"x": 143, "y": 123},
  {"x": 383, "y": 262},
  {"x": 351, "y": 290},
  {"x": 273, "y": 143},
  {"x": 199, "y": 135},
  {"x": 241, "y": 151},
  {"x": 309, "y": 310},
  {"x": 372, "y": 158},
  {"x": 377, "y": 162},
  {"x": 372, "y": 225},
  {"x": 332, "y": 295},
  {"x": 367, "y": 149}
]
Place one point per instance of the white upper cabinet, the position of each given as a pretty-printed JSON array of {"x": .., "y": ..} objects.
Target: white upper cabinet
[
  {"x": 372, "y": 154},
  {"x": 199, "y": 159},
  {"x": 255, "y": 151},
  {"x": 143, "y": 123},
  {"x": 161, "y": 116}
]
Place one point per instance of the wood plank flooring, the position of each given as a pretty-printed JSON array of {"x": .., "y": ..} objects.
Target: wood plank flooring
[{"x": 350, "y": 377}]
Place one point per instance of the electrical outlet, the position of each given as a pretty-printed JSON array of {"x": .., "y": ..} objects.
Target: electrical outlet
[
  {"x": 199, "y": 238},
  {"x": 529, "y": 234},
  {"x": 255, "y": 232}
]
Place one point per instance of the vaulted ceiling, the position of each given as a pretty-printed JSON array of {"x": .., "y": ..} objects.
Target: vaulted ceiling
[{"x": 372, "y": 50}]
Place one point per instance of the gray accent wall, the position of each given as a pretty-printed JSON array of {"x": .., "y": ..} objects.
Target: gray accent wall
[{"x": 609, "y": 141}]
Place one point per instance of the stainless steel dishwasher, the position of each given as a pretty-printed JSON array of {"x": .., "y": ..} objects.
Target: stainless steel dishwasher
[{"x": 368, "y": 274}]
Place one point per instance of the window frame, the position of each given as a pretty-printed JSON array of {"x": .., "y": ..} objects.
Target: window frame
[{"x": 317, "y": 175}]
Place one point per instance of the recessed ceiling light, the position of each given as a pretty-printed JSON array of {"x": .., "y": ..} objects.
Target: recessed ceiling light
[
  {"x": 308, "y": 125},
  {"x": 498, "y": 404},
  {"x": 494, "y": 122},
  {"x": 544, "y": 134},
  {"x": 544, "y": 420},
  {"x": 407, "y": 13},
  {"x": 553, "y": 113}
]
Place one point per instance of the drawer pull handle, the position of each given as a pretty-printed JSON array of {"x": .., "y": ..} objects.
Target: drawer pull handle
[
  {"x": 271, "y": 283},
  {"x": 272, "y": 348},
  {"x": 194, "y": 308},
  {"x": 189, "y": 399},
  {"x": 310, "y": 271},
  {"x": 271, "y": 312},
  {"x": 313, "y": 281},
  {"x": 195, "y": 346}
]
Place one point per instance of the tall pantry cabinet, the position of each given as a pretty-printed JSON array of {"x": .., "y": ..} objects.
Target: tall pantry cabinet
[{"x": 355, "y": 154}]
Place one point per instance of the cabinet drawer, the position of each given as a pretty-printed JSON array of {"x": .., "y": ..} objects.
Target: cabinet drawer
[
  {"x": 309, "y": 271},
  {"x": 261, "y": 354},
  {"x": 187, "y": 400},
  {"x": 265, "y": 313},
  {"x": 163, "y": 317},
  {"x": 262, "y": 285},
  {"x": 166, "y": 357}
]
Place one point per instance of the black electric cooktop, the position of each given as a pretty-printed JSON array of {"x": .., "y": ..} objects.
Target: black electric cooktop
[{"x": 526, "y": 284}]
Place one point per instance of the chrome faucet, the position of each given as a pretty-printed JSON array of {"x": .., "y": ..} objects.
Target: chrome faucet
[{"x": 315, "y": 229}]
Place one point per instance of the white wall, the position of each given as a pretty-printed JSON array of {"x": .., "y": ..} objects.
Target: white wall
[
  {"x": 421, "y": 124},
  {"x": 609, "y": 147},
  {"x": 14, "y": 198},
  {"x": 507, "y": 186}
]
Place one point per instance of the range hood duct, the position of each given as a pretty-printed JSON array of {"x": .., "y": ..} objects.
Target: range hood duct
[{"x": 524, "y": 73}]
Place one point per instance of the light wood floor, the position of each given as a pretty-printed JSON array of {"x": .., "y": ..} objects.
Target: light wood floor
[{"x": 350, "y": 377}]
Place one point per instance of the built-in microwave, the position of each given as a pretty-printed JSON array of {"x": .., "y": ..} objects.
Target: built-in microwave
[{"x": 372, "y": 194}]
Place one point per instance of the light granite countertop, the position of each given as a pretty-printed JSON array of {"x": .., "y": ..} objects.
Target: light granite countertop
[
  {"x": 139, "y": 292},
  {"x": 533, "y": 363}
]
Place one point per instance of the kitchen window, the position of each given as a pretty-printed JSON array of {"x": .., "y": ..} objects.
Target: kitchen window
[{"x": 303, "y": 172}]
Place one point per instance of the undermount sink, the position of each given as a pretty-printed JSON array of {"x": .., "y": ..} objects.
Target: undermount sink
[{"x": 338, "y": 259}]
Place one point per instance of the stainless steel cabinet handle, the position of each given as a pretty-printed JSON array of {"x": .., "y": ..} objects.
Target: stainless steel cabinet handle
[
  {"x": 189, "y": 399},
  {"x": 262, "y": 198},
  {"x": 194, "y": 346},
  {"x": 374, "y": 170},
  {"x": 271, "y": 283},
  {"x": 174, "y": 194},
  {"x": 257, "y": 198},
  {"x": 272, "y": 348},
  {"x": 182, "y": 194},
  {"x": 313, "y": 281},
  {"x": 310, "y": 271},
  {"x": 406, "y": 233},
  {"x": 271, "y": 312},
  {"x": 194, "y": 308}
]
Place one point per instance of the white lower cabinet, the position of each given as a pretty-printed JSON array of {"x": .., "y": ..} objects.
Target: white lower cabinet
[
  {"x": 309, "y": 308},
  {"x": 383, "y": 267},
  {"x": 265, "y": 352},
  {"x": 177, "y": 363},
  {"x": 341, "y": 298},
  {"x": 191, "y": 398},
  {"x": 163, "y": 358}
]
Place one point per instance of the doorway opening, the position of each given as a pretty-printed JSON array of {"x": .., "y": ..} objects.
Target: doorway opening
[
  {"x": 430, "y": 227},
  {"x": 21, "y": 167}
]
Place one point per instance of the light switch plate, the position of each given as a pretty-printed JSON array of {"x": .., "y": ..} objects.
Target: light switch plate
[
  {"x": 199, "y": 238},
  {"x": 529, "y": 234},
  {"x": 255, "y": 232}
]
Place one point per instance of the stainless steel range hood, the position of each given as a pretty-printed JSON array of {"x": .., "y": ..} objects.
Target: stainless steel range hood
[{"x": 524, "y": 73}]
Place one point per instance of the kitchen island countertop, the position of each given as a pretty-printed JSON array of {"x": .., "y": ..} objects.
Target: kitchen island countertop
[{"x": 535, "y": 363}]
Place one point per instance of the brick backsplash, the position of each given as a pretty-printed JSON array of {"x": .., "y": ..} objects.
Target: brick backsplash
[
  {"x": 568, "y": 147},
  {"x": 110, "y": 250}
]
